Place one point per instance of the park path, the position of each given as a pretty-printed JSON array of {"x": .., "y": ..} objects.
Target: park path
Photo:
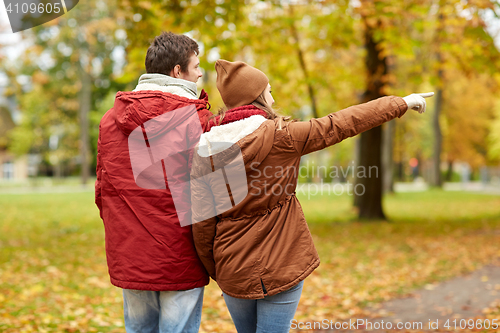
[{"x": 460, "y": 298}]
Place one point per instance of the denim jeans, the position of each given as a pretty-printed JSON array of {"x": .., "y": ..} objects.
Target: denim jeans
[
  {"x": 162, "y": 311},
  {"x": 271, "y": 314}
]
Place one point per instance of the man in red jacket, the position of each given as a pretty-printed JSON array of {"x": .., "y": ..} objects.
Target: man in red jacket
[{"x": 149, "y": 254}]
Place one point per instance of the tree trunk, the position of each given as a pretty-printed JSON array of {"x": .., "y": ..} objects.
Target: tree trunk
[
  {"x": 449, "y": 172},
  {"x": 85, "y": 101},
  {"x": 368, "y": 190},
  {"x": 398, "y": 154},
  {"x": 400, "y": 171},
  {"x": 438, "y": 139},
  {"x": 436, "y": 179},
  {"x": 302, "y": 62},
  {"x": 387, "y": 157}
]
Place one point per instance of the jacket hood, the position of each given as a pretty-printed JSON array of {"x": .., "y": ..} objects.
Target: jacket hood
[
  {"x": 224, "y": 157},
  {"x": 253, "y": 135},
  {"x": 133, "y": 109},
  {"x": 236, "y": 114}
]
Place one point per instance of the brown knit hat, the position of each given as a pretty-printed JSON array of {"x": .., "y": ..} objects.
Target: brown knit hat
[{"x": 239, "y": 83}]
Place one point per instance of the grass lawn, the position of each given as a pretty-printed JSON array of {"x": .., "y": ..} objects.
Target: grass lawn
[{"x": 53, "y": 273}]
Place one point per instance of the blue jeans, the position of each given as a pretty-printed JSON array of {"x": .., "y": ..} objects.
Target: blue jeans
[
  {"x": 148, "y": 311},
  {"x": 271, "y": 314}
]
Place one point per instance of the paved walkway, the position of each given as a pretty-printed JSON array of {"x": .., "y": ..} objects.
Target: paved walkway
[
  {"x": 478, "y": 187},
  {"x": 459, "y": 298}
]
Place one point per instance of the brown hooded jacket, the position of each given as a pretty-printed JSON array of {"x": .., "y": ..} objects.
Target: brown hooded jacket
[{"x": 260, "y": 244}]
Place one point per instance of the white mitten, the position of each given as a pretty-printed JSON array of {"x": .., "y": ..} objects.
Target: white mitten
[{"x": 417, "y": 101}]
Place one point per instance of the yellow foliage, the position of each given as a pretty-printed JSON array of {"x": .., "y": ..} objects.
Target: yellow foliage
[
  {"x": 469, "y": 112},
  {"x": 494, "y": 136}
]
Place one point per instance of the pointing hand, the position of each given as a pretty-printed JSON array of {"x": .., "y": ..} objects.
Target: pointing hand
[{"x": 417, "y": 101}]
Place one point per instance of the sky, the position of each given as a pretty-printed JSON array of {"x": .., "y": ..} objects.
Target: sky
[
  {"x": 4, "y": 21},
  {"x": 6, "y": 35},
  {"x": 493, "y": 27}
]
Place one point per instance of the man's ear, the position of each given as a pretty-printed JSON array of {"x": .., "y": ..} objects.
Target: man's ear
[{"x": 176, "y": 71}]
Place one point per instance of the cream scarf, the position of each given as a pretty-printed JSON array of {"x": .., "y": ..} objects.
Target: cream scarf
[{"x": 168, "y": 84}]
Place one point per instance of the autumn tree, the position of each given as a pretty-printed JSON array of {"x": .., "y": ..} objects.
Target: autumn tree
[
  {"x": 459, "y": 43},
  {"x": 320, "y": 56},
  {"x": 494, "y": 135},
  {"x": 466, "y": 126},
  {"x": 384, "y": 24},
  {"x": 71, "y": 66}
]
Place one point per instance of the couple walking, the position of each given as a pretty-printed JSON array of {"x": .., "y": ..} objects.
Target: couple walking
[{"x": 259, "y": 250}]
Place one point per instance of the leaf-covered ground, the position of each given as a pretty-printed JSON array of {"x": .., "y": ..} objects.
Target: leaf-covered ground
[{"x": 53, "y": 273}]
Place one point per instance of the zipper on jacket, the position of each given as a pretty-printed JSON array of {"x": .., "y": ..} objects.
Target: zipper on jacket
[{"x": 263, "y": 287}]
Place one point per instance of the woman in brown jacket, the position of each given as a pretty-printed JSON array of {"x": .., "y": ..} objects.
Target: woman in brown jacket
[{"x": 248, "y": 226}]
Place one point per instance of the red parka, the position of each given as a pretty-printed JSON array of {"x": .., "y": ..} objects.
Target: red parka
[{"x": 146, "y": 248}]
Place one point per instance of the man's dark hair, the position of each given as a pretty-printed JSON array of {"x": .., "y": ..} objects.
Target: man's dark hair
[{"x": 169, "y": 50}]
